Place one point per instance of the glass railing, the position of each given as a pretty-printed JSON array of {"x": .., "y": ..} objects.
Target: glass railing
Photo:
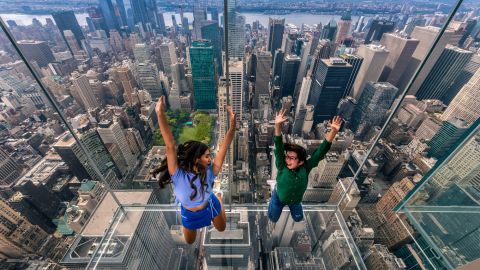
[
  {"x": 151, "y": 237},
  {"x": 79, "y": 134}
]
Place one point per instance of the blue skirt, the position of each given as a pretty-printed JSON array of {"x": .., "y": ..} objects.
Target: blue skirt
[{"x": 202, "y": 218}]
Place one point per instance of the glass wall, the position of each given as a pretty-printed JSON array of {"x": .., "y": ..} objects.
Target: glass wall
[{"x": 397, "y": 188}]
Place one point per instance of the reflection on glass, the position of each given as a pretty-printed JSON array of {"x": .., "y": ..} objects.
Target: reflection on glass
[{"x": 105, "y": 63}]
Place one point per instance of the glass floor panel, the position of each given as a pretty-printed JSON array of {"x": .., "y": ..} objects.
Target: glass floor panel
[{"x": 150, "y": 237}]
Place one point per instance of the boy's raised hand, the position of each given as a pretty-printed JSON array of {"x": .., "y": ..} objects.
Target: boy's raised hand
[
  {"x": 280, "y": 117},
  {"x": 336, "y": 123}
]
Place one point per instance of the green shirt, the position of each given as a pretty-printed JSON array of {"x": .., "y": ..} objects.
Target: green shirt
[{"x": 291, "y": 184}]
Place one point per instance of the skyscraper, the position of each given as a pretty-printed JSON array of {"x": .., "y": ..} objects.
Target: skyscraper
[
  {"x": 66, "y": 20},
  {"x": 426, "y": 35},
  {"x": 10, "y": 170},
  {"x": 466, "y": 104},
  {"x": 199, "y": 15},
  {"x": 168, "y": 55},
  {"x": 112, "y": 133},
  {"x": 374, "y": 58},
  {"x": 109, "y": 14},
  {"x": 356, "y": 62},
  {"x": 377, "y": 29},
  {"x": 288, "y": 77},
  {"x": 451, "y": 130},
  {"x": 76, "y": 159},
  {"x": 372, "y": 106},
  {"x": 211, "y": 31},
  {"x": 84, "y": 91},
  {"x": 141, "y": 52},
  {"x": 161, "y": 24},
  {"x": 18, "y": 237},
  {"x": 465, "y": 75},
  {"x": 275, "y": 34},
  {"x": 237, "y": 93},
  {"x": 401, "y": 50},
  {"x": 343, "y": 27},
  {"x": 203, "y": 75},
  {"x": 236, "y": 33},
  {"x": 128, "y": 83},
  {"x": 148, "y": 77},
  {"x": 262, "y": 76},
  {"x": 443, "y": 73},
  {"x": 328, "y": 87},
  {"x": 37, "y": 51},
  {"x": 144, "y": 12},
  {"x": 329, "y": 31}
]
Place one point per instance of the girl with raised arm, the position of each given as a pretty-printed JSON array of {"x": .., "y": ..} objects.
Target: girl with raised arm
[{"x": 191, "y": 171}]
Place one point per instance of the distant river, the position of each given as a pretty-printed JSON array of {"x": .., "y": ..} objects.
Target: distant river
[{"x": 293, "y": 18}]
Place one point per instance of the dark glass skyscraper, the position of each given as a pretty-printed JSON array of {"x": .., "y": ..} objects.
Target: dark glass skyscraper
[
  {"x": 109, "y": 14},
  {"x": 145, "y": 12},
  {"x": 288, "y": 77},
  {"x": 275, "y": 34},
  {"x": 329, "y": 81},
  {"x": 356, "y": 62},
  {"x": 211, "y": 31},
  {"x": 378, "y": 28},
  {"x": 446, "y": 137},
  {"x": 203, "y": 75},
  {"x": 66, "y": 20},
  {"x": 329, "y": 31},
  {"x": 448, "y": 66}
]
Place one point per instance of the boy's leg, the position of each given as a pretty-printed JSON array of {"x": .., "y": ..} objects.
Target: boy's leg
[
  {"x": 275, "y": 207},
  {"x": 296, "y": 210}
]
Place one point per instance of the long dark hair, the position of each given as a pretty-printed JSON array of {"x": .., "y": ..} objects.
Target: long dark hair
[{"x": 187, "y": 155}]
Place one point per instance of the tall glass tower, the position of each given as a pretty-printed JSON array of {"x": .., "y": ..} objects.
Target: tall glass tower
[{"x": 203, "y": 75}]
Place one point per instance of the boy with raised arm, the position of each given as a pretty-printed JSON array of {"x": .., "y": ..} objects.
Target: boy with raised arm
[{"x": 293, "y": 169}]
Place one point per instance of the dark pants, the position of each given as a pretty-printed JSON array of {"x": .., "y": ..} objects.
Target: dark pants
[{"x": 275, "y": 208}]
